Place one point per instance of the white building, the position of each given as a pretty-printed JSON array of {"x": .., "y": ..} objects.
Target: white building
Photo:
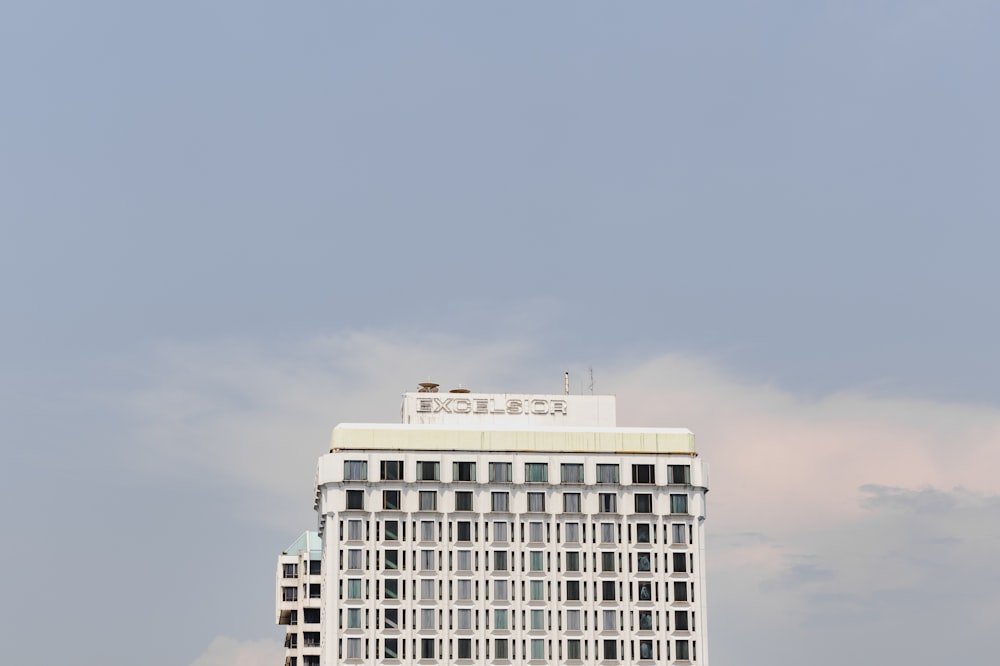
[{"x": 502, "y": 529}]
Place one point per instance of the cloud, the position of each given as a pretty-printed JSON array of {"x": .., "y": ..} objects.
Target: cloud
[
  {"x": 226, "y": 651},
  {"x": 829, "y": 515}
]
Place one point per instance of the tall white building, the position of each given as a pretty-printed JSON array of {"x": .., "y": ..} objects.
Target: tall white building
[{"x": 501, "y": 529}]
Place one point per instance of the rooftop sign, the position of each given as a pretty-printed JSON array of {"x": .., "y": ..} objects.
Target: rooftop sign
[{"x": 485, "y": 409}]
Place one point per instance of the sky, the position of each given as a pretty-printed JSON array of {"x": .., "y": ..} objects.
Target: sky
[{"x": 229, "y": 226}]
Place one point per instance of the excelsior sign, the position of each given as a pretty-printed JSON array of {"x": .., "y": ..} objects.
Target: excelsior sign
[{"x": 460, "y": 405}]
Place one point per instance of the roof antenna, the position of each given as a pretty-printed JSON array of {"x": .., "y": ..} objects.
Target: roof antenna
[
  {"x": 566, "y": 384},
  {"x": 591, "y": 380}
]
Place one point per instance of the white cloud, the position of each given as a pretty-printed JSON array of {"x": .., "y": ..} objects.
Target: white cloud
[
  {"x": 226, "y": 651},
  {"x": 821, "y": 511}
]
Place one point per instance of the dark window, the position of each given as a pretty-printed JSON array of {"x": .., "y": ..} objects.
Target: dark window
[
  {"x": 645, "y": 591},
  {"x": 644, "y": 503},
  {"x": 391, "y": 618},
  {"x": 392, "y": 559},
  {"x": 681, "y": 620},
  {"x": 682, "y": 650},
  {"x": 290, "y": 570},
  {"x": 680, "y": 590},
  {"x": 315, "y": 567},
  {"x": 610, "y": 649},
  {"x": 464, "y": 530},
  {"x": 642, "y": 533},
  {"x": 679, "y": 474},
  {"x": 392, "y": 470},
  {"x": 391, "y": 588},
  {"x": 355, "y": 499},
  {"x": 572, "y": 590},
  {"x": 392, "y": 530},
  {"x": 643, "y": 474},
  {"x": 463, "y": 471},
  {"x": 463, "y": 501},
  {"x": 392, "y": 648},
  {"x": 465, "y": 648},
  {"x": 426, "y": 648},
  {"x": 642, "y": 562},
  {"x": 428, "y": 471},
  {"x": 390, "y": 500},
  {"x": 680, "y": 562},
  {"x": 536, "y": 472},
  {"x": 608, "y": 590},
  {"x": 310, "y": 615},
  {"x": 607, "y": 502},
  {"x": 289, "y": 594},
  {"x": 646, "y": 620}
]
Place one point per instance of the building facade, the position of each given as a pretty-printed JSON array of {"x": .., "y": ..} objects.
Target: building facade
[{"x": 505, "y": 529}]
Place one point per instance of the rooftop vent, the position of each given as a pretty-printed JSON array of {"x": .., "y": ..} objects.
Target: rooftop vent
[
  {"x": 460, "y": 390},
  {"x": 427, "y": 387}
]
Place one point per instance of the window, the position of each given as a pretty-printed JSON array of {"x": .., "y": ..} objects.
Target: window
[
  {"x": 644, "y": 503},
  {"x": 608, "y": 561},
  {"x": 392, "y": 648},
  {"x": 643, "y": 562},
  {"x": 572, "y": 532},
  {"x": 500, "y": 560},
  {"x": 353, "y": 588},
  {"x": 290, "y": 570},
  {"x": 465, "y": 648},
  {"x": 680, "y": 590},
  {"x": 500, "y": 618},
  {"x": 427, "y": 560},
  {"x": 391, "y": 618},
  {"x": 464, "y": 616},
  {"x": 536, "y": 560},
  {"x": 535, "y": 532},
  {"x": 427, "y": 530},
  {"x": 573, "y": 649},
  {"x": 315, "y": 567},
  {"x": 463, "y": 471},
  {"x": 354, "y": 530},
  {"x": 645, "y": 591},
  {"x": 608, "y": 590},
  {"x": 428, "y": 500},
  {"x": 391, "y": 588},
  {"x": 499, "y": 531},
  {"x": 310, "y": 638},
  {"x": 392, "y": 470},
  {"x": 464, "y": 530},
  {"x": 500, "y": 590},
  {"x": 537, "y": 648},
  {"x": 610, "y": 649},
  {"x": 289, "y": 594},
  {"x": 681, "y": 650},
  {"x": 390, "y": 500},
  {"x": 678, "y": 532},
  {"x": 463, "y": 501},
  {"x": 536, "y": 502},
  {"x": 642, "y": 532},
  {"x": 428, "y": 471},
  {"x": 643, "y": 474},
  {"x": 679, "y": 474},
  {"x": 645, "y": 649},
  {"x": 500, "y": 648},
  {"x": 610, "y": 623},
  {"x": 607, "y": 473},
  {"x": 571, "y": 472},
  {"x": 537, "y": 590},
  {"x": 391, "y": 559},
  {"x": 501, "y": 501},
  {"x": 427, "y": 618},
  {"x": 680, "y": 562},
  {"x": 607, "y": 532},
  {"x": 353, "y": 618},
  {"x": 427, "y": 589},
  {"x": 355, "y": 499},
  {"x": 645, "y": 620},
  {"x": 607, "y": 502},
  {"x": 681, "y": 620},
  {"x": 571, "y": 502},
  {"x": 391, "y": 530},
  {"x": 572, "y": 590},
  {"x": 572, "y": 561},
  {"x": 354, "y": 558},
  {"x": 678, "y": 504},
  {"x": 355, "y": 470},
  {"x": 464, "y": 589},
  {"x": 537, "y": 619},
  {"x": 500, "y": 472},
  {"x": 426, "y": 648},
  {"x": 573, "y": 620},
  {"x": 353, "y": 648},
  {"x": 536, "y": 472}
]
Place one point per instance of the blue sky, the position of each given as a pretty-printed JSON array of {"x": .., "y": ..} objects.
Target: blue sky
[{"x": 228, "y": 226}]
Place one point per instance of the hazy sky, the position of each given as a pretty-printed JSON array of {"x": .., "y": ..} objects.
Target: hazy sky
[{"x": 228, "y": 226}]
